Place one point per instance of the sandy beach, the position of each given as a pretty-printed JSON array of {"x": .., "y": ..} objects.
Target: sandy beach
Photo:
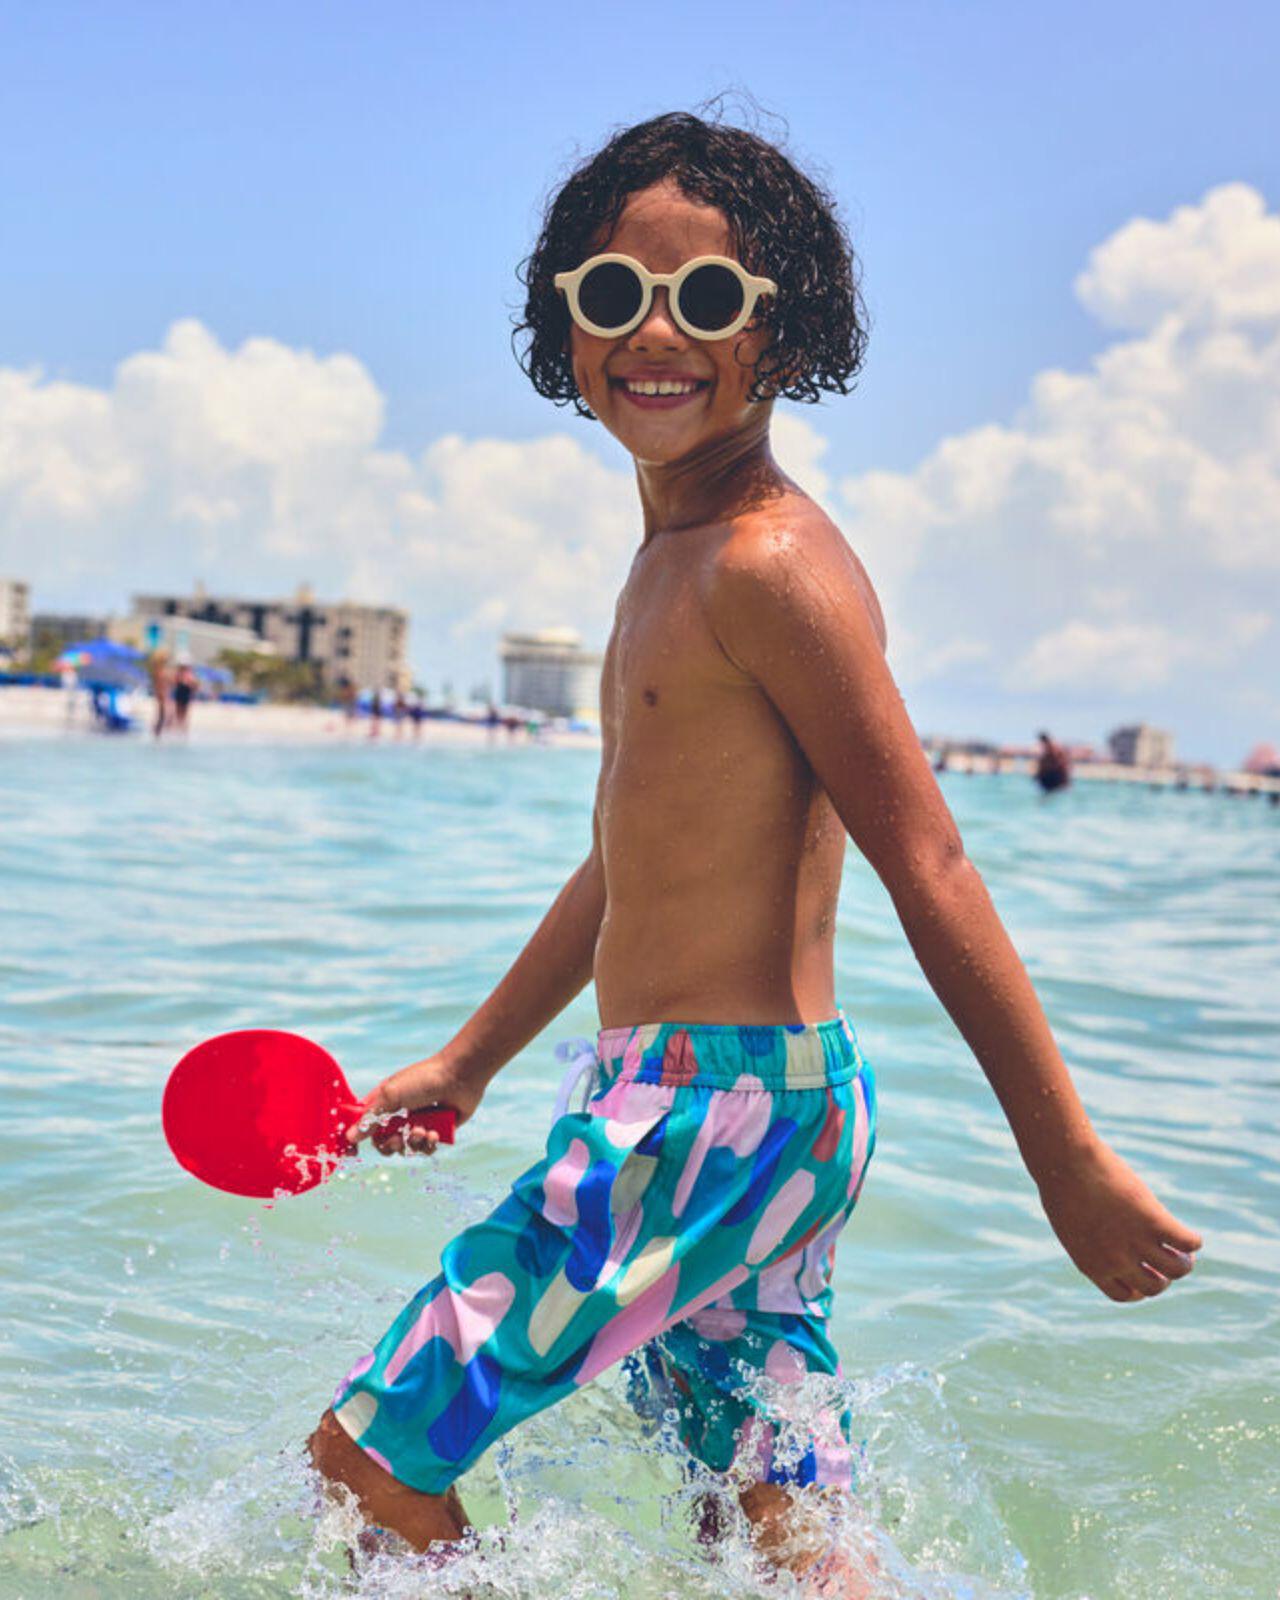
[{"x": 36, "y": 712}]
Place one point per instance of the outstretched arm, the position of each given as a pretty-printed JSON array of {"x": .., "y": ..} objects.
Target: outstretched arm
[
  {"x": 554, "y": 966},
  {"x": 788, "y": 611}
]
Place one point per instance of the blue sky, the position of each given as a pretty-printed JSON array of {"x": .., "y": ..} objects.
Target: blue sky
[{"x": 361, "y": 181}]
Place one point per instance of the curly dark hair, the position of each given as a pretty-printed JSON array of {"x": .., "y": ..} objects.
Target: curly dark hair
[{"x": 783, "y": 225}]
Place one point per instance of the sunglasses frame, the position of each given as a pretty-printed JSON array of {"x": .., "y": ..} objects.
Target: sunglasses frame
[{"x": 752, "y": 289}]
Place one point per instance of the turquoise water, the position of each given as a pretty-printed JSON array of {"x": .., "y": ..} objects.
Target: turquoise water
[{"x": 165, "y": 1349}]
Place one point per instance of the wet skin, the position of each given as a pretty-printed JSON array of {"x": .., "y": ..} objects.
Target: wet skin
[
  {"x": 721, "y": 853},
  {"x": 750, "y": 726}
]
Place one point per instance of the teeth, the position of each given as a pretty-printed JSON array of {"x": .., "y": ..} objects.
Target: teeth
[{"x": 666, "y": 387}]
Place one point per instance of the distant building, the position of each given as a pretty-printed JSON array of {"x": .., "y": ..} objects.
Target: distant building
[
  {"x": 55, "y": 630},
  {"x": 15, "y": 613},
  {"x": 1141, "y": 745},
  {"x": 367, "y": 644},
  {"x": 550, "y": 671},
  {"x": 186, "y": 638}
]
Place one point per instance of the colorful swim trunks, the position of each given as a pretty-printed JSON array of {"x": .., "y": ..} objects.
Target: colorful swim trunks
[{"x": 686, "y": 1217}]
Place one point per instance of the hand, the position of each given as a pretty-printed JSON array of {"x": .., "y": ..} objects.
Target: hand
[
  {"x": 427, "y": 1083},
  {"x": 1114, "y": 1228}
]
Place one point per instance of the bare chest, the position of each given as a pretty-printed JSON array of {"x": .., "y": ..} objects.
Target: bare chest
[{"x": 664, "y": 678}]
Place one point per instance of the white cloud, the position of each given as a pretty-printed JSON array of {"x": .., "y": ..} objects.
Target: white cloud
[
  {"x": 258, "y": 467},
  {"x": 1218, "y": 261},
  {"x": 798, "y": 448},
  {"x": 1092, "y": 655},
  {"x": 1120, "y": 533},
  {"x": 1086, "y": 655},
  {"x": 1123, "y": 531}
]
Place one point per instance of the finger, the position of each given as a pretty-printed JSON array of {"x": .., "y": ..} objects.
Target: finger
[
  {"x": 424, "y": 1140},
  {"x": 358, "y": 1130},
  {"x": 1184, "y": 1239},
  {"x": 1150, "y": 1282},
  {"x": 371, "y": 1109},
  {"x": 1118, "y": 1289},
  {"x": 1174, "y": 1262}
]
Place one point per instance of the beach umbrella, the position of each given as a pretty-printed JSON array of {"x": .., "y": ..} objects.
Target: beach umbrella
[
  {"x": 104, "y": 664},
  {"x": 1263, "y": 759}
]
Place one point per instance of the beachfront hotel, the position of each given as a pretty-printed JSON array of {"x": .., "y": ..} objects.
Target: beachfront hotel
[
  {"x": 367, "y": 645},
  {"x": 550, "y": 671},
  {"x": 1141, "y": 745}
]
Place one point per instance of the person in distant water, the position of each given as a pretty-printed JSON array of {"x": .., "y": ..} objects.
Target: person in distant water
[
  {"x": 184, "y": 692},
  {"x": 161, "y": 674},
  {"x": 1053, "y": 765},
  {"x": 684, "y": 1219}
]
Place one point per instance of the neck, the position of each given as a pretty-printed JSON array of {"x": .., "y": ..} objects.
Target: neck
[{"x": 721, "y": 478}]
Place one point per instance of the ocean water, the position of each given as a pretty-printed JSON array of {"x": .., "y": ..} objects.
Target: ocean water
[{"x": 165, "y": 1349}]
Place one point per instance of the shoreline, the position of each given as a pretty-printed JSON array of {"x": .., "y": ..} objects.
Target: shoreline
[{"x": 33, "y": 711}]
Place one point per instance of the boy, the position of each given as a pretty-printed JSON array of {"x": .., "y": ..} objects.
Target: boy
[{"x": 750, "y": 721}]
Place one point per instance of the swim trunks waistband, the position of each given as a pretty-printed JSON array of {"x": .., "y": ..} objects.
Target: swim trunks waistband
[{"x": 726, "y": 1055}]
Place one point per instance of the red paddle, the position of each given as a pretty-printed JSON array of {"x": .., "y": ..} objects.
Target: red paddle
[{"x": 259, "y": 1110}]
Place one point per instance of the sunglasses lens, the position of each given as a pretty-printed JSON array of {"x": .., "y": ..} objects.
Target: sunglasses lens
[
  {"x": 610, "y": 295},
  {"x": 711, "y": 297}
]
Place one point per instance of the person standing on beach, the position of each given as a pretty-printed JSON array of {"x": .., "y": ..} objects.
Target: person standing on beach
[
  {"x": 417, "y": 710},
  {"x": 684, "y": 1219},
  {"x": 348, "y": 699},
  {"x": 184, "y": 692},
  {"x": 161, "y": 674}
]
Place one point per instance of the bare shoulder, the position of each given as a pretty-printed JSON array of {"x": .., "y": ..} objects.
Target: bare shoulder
[{"x": 779, "y": 553}]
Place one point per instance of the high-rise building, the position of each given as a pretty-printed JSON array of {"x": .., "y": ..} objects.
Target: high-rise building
[
  {"x": 550, "y": 671},
  {"x": 367, "y": 644},
  {"x": 1140, "y": 745},
  {"x": 15, "y": 613}
]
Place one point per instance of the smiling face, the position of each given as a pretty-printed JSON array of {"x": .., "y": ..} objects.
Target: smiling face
[{"x": 661, "y": 228}]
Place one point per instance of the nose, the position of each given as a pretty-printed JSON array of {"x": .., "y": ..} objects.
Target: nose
[{"x": 659, "y": 330}]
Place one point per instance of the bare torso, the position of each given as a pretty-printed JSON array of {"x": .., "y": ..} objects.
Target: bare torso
[{"x": 722, "y": 853}]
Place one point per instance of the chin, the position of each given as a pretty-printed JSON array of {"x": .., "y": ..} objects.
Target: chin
[{"x": 662, "y": 452}]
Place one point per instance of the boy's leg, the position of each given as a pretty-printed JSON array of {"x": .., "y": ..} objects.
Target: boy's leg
[
  {"x": 656, "y": 1201},
  {"x": 771, "y": 1510},
  {"x": 420, "y": 1519},
  {"x": 524, "y": 1309}
]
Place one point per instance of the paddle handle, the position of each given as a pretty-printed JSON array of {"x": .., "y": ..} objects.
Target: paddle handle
[{"x": 440, "y": 1120}]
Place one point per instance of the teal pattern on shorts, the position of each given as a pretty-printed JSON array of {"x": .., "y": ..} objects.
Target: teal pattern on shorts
[{"x": 686, "y": 1217}]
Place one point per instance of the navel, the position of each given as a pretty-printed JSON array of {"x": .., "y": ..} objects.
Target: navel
[{"x": 651, "y": 697}]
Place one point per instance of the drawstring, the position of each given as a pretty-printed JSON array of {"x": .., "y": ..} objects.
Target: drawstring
[{"x": 583, "y": 1067}]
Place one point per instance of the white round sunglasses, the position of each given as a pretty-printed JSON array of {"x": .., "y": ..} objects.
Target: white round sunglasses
[{"x": 711, "y": 297}]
